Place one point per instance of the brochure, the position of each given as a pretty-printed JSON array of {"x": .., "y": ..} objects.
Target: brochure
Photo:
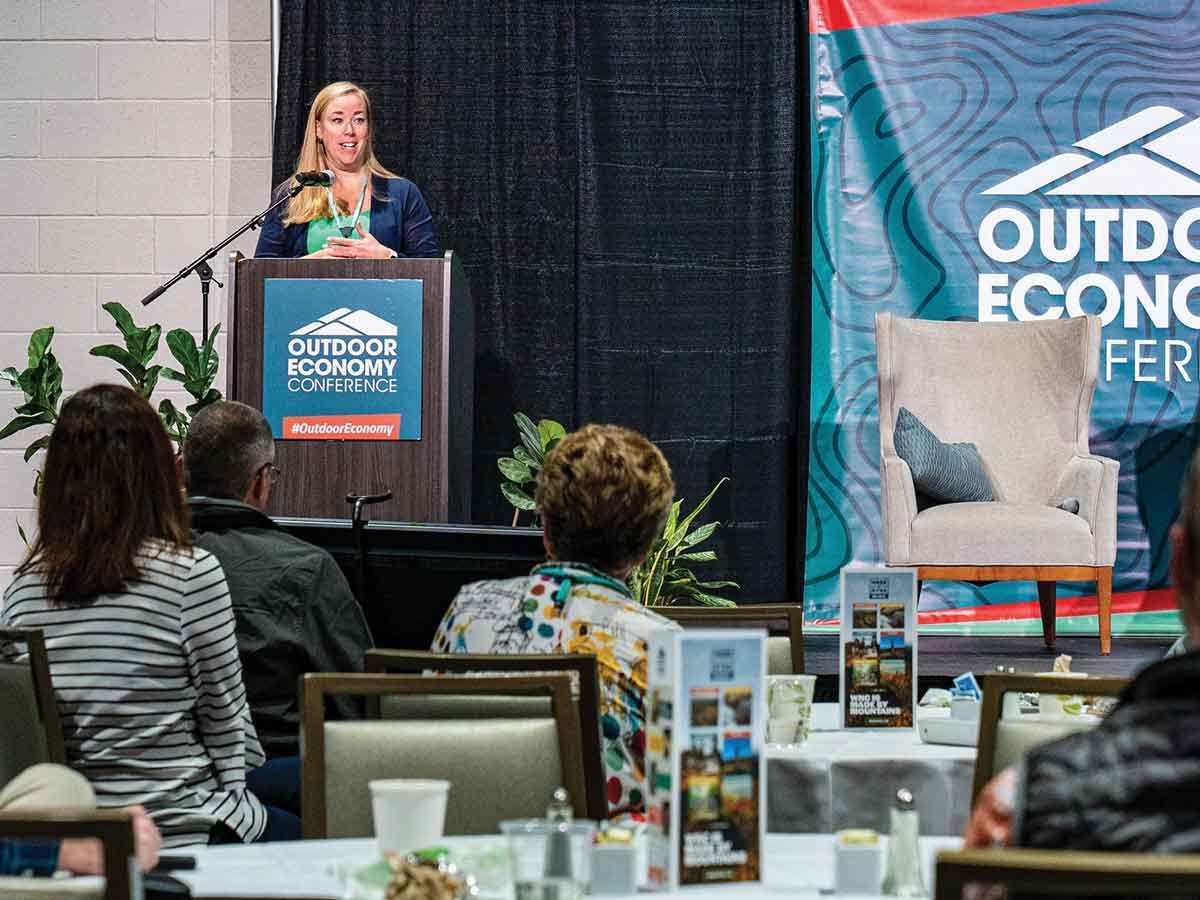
[
  {"x": 878, "y": 647},
  {"x": 704, "y": 736}
]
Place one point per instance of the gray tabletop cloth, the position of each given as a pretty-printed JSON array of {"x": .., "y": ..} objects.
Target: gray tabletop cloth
[{"x": 848, "y": 779}]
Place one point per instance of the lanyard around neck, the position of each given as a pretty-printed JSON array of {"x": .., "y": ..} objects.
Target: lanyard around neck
[{"x": 347, "y": 230}]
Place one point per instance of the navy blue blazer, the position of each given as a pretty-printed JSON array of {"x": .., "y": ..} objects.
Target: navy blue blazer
[{"x": 399, "y": 219}]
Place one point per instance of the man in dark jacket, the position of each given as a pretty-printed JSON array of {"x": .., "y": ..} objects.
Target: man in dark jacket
[
  {"x": 294, "y": 608},
  {"x": 1131, "y": 783}
]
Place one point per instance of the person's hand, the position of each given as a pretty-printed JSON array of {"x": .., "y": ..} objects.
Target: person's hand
[
  {"x": 323, "y": 253},
  {"x": 365, "y": 248},
  {"x": 991, "y": 819},
  {"x": 147, "y": 841},
  {"x": 85, "y": 856}
]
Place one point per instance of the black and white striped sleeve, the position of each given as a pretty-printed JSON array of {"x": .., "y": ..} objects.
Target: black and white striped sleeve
[{"x": 210, "y": 646}]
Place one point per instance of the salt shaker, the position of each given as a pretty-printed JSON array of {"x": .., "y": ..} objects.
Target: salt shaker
[
  {"x": 902, "y": 874},
  {"x": 558, "y": 878}
]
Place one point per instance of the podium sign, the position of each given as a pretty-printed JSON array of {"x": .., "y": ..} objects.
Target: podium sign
[{"x": 342, "y": 359}]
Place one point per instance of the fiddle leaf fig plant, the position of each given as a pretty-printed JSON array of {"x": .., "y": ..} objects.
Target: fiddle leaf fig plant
[
  {"x": 197, "y": 373},
  {"x": 41, "y": 384},
  {"x": 135, "y": 361},
  {"x": 663, "y": 578},
  {"x": 521, "y": 470}
]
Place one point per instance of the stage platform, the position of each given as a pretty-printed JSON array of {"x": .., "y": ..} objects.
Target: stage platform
[{"x": 942, "y": 656}]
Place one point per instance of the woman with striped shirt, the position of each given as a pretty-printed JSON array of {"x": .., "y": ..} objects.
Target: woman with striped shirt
[{"x": 139, "y": 629}]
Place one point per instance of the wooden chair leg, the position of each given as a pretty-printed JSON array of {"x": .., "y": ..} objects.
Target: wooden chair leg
[
  {"x": 1046, "y": 598},
  {"x": 1104, "y": 596}
]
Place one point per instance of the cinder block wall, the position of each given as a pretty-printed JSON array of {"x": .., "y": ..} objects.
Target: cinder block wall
[{"x": 133, "y": 135}]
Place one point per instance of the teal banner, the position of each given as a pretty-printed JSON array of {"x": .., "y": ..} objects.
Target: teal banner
[
  {"x": 342, "y": 358},
  {"x": 1033, "y": 164}
]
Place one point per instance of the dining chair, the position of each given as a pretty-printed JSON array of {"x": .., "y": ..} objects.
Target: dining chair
[
  {"x": 113, "y": 828},
  {"x": 784, "y": 623},
  {"x": 1004, "y": 741},
  {"x": 498, "y": 768},
  {"x": 1021, "y": 392},
  {"x": 32, "y": 731},
  {"x": 585, "y": 690},
  {"x": 1073, "y": 873}
]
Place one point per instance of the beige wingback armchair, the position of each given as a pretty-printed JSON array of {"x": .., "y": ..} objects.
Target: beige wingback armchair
[{"x": 1022, "y": 393}]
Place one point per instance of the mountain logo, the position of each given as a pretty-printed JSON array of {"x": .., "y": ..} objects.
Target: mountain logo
[
  {"x": 1137, "y": 172},
  {"x": 345, "y": 322}
]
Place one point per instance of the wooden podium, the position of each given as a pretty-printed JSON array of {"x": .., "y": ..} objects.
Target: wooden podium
[{"x": 430, "y": 478}]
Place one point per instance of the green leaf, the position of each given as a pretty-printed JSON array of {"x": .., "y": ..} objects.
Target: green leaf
[
  {"x": 210, "y": 344},
  {"x": 150, "y": 381},
  {"x": 529, "y": 433},
  {"x": 118, "y": 355},
  {"x": 128, "y": 376},
  {"x": 122, "y": 317},
  {"x": 173, "y": 374},
  {"x": 150, "y": 338},
  {"x": 21, "y": 531},
  {"x": 12, "y": 376},
  {"x": 687, "y": 522},
  {"x": 53, "y": 383},
  {"x": 699, "y": 556},
  {"x": 40, "y": 444},
  {"x": 20, "y": 423},
  {"x": 672, "y": 520},
  {"x": 39, "y": 341},
  {"x": 711, "y": 599},
  {"x": 549, "y": 433},
  {"x": 514, "y": 471},
  {"x": 716, "y": 585},
  {"x": 516, "y": 496},
  {"x": 703, "y": 533},
  {"x": 212, "y": 395},
  {"x": 183, "y": 347},
  {"x": 524, "y": 456}
]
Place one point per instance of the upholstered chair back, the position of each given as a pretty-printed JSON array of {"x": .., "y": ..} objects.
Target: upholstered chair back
[
  {"x": 1020, "y": 391},
  {"x": 497, "y": 768}
]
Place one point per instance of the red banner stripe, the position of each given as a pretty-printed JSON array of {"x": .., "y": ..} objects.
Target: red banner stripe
[
  {"x": 1159, "y": 600},
  {"x": 838, "y": 15}
]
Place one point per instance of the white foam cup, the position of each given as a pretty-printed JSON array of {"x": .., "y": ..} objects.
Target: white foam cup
[{"x": 409, "y": 813}]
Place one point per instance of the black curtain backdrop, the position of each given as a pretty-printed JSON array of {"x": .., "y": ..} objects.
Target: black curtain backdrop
[{"x": 626, "y": 184}]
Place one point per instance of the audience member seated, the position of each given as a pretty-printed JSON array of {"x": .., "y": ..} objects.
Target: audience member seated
[
  {"x": 48, "y": 787},
  {"x": 1131, "y": 783},
  {"x": 295, "y": 611},
  {"x": 603, "y": 498},
  {"x": 139, "y": 629}
]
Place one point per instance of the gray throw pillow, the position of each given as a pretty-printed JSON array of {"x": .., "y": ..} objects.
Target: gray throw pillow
[{"x": 952, "y": 473}]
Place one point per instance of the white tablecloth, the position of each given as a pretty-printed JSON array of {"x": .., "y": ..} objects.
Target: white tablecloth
[
  {"x": 795, "y": 865},
  {"x": 848, "y": 779}
]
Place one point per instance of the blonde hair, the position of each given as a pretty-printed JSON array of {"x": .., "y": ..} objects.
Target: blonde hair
[
  {"x": 312, "y": 202},
  {"x": 604, "y": 495}
]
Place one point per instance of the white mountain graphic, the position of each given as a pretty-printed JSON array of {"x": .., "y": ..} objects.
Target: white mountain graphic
[
  {"x": 1134, "y": 173},
  {"x": 344, "y": 321}
]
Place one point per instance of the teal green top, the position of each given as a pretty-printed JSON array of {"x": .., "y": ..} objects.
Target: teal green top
[{"x": 320, "y": 230}]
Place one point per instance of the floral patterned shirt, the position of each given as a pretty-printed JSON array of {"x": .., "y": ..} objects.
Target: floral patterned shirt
[{"x": 571, "y": 608}]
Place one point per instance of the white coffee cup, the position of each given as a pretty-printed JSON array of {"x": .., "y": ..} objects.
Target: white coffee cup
[{"x": 409, "y": 813}]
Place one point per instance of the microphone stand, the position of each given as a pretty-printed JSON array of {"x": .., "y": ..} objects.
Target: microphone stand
[{"x": 201, "y": 267}]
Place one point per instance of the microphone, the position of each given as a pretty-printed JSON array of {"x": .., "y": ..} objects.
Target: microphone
[{"x": 324, "y": 178}]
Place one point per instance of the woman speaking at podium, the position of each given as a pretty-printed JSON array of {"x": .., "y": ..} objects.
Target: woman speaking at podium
[{"x": 367, "y": 212}]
